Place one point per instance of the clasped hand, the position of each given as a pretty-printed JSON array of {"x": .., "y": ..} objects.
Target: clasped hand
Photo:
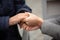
[{"x": 32, "y": 22}]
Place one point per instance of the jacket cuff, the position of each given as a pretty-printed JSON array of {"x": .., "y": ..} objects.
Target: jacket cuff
[
  {"x": 24, "y": 10},
  {"x": 4, "y": 23},
  {"x": 44, "y": 27}
]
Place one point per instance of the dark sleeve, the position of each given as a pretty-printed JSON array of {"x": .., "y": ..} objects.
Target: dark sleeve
[
  {"x": 4, "y": 22},
  {"x": 21, "y": 6},
  {"x": 51, "y": 28}
]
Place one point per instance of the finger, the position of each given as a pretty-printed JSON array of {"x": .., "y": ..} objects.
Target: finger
[
  {"x": 26, "y": 19},
  {"x": 26, "y": 14},
  {"x": 33, "y": 28},
  {"x": 21, "y": 24},
  {"x": 24, "y": 26},
  {"x": 27, "y": 28}
]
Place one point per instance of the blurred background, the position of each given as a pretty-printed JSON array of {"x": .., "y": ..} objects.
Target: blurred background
[{"x": 45, "y": 9}]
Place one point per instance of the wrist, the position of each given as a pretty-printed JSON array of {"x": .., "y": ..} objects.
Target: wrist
[
  {"x": 13, "y": 20},
  {"x": 40, "y": 23}
]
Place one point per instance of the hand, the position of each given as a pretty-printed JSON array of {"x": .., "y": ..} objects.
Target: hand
[
  {"x": 17, "y": 18},
  {"x": 33, "y": 22},
  {"x": 28, "y": 28}
]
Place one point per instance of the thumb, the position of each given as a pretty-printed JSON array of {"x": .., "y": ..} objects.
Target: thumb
[
  {"x": 26, "y": 19},
  {"x": 27, "y": 14}
]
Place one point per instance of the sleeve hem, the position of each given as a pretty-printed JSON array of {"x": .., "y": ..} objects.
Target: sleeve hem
[
  {"x": 24, "y": 9},
  {"x": 43, "y": 28}
]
